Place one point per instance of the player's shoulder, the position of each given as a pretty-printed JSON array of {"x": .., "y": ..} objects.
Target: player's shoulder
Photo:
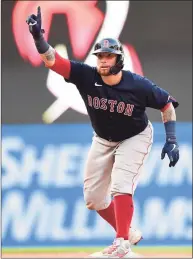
[
  {"x": 142, "y": 79},
  {"x": 128, "y": 75},
  {"x": 139, "y": 80},
  {"x": 133, "y": 75}
]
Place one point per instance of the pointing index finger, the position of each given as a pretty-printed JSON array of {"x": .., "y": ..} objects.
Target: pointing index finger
[{"x": 39, "y": 12}]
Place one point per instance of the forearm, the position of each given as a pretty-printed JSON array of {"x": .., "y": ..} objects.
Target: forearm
[
  {"x": 169, "y": 119},
  {"x": 52, "y": 59},
  {"x": 46, "y": 52}
]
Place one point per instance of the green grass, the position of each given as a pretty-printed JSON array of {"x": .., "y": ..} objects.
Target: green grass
[{"x": 165, "y": 249}]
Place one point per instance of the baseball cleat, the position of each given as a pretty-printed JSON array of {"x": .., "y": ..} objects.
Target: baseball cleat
[
  {"x": 135, "y": 236},
  {"x": 119, "y": 249}
]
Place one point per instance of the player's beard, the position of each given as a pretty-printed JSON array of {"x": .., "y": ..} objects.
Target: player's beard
[{"x": 104, "y": 72}]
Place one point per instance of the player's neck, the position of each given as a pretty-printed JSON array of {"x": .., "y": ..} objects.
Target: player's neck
[{"x": 112, "y": 79}]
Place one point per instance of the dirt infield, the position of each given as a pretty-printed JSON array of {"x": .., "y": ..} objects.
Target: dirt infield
[{"x": 85, "y": 255}]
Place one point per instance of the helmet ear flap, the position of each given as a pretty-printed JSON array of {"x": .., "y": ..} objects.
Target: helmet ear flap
[
  {"x": 120, "y": 59},
  {"x": 118, "y": 66}
]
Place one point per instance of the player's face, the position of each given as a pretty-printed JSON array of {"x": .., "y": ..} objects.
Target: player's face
[{"x": 104, "y": 62}]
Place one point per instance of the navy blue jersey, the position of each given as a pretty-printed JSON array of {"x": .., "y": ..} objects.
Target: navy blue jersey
[{"x": 117, "y": 112}]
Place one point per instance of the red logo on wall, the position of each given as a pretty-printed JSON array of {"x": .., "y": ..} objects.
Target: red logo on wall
[
  {"x": 84, "y": 20},
  {"x": 83, "y": 17},
  {"x": 87, "y": 25}
]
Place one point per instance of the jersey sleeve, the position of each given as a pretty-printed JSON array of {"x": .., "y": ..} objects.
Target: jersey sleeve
[{"x": 155, "y": 96}]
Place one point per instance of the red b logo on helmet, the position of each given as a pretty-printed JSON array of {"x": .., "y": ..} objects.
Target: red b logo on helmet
[{"x": 106, "y": 43}]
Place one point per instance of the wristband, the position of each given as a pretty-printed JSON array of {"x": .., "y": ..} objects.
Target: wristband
[
  {"x": 170, "y": 129},
  {"x": 41, "y": 45}
]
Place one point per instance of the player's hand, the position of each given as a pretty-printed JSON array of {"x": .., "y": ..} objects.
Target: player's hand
[
  {"x": 35, "y": 24},
  {"x": 171, "y": 148}
]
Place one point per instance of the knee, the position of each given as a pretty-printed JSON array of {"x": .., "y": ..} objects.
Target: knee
[
  {"x": 93, "y": 201},
  {"x": 90, "y": 200},
  {"x": 90, "y": 205}
]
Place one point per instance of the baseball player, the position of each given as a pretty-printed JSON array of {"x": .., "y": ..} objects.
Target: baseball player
[{"x": 116, "y": 101}]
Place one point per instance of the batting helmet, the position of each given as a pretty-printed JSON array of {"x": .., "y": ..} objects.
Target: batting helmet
[{"x": 111, "y": 46}]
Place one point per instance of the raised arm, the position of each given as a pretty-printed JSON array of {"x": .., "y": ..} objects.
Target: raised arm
[{"x": 48, "y": 54}]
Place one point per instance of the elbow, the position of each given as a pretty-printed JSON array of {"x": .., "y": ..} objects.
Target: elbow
[
  {"x": 167, "y": 106},
  {"x": 61, "y": 66},
  {"x": 168, "y": 113}
]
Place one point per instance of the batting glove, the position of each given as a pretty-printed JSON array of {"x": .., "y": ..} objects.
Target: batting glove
[
  {"x": 171, "y": 148},
  {"x": 35, "y": 23}
]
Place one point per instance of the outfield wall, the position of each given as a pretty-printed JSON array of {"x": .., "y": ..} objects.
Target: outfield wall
[{"x": 42, "y": 196}]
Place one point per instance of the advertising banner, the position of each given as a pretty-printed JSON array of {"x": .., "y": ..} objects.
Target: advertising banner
[{"x": 42, "y": 189}]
